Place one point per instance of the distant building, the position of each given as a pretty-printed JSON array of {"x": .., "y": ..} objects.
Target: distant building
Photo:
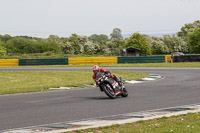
[{"x": 131, "y": 52}]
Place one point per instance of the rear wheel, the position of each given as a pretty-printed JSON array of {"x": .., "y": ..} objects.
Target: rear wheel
[{"x": 109, "y": 91}]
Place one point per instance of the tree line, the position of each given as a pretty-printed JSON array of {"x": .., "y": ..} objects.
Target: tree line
[{"x": 187, "y": 41}]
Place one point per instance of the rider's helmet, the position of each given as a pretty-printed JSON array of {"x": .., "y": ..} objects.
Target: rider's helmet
[
  {"x": 95, "y": 69},
  {"x": 102, "y": 69}
]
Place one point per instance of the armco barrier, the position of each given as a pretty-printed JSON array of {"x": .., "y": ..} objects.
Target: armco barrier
[
  {"x": 30, "y": 62},
  {"x": 9, "y": 62},
  {"x": 92, "y": 60},
  {"x": 142, "y": 59},
  {"x": 187, "y": 58}
]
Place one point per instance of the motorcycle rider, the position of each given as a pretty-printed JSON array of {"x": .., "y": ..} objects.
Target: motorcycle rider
[{"x": 96, "y": 70}]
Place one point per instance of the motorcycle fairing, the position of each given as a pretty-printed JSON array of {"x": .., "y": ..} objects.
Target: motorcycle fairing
[{"x": 115, "y": 85}]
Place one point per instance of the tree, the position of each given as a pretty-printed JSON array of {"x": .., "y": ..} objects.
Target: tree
[
  {"x": 67, "y": 48},
  {"x": 168, "y": 41},
  {"x": 53, "y": 38},
  {"x": 176, "y": 44},
  {"x": 158, "y": 46},
  {"x": 138, "y": 41},
  {"x": 27, "y": 46},
  {"x": 1, "y": 37},
  {"x": 113, "y": 46},
  {"x": 91, "y": 48},
  {"x": 2, "y": 49},
  {"x": 116, "y": 34},
  {"x": 115, "y": 43},
  {"x": 194, "y": 41},
  {"x": 26, "y": 37},
  {"x": 180, "y": 45},
  {"x": 191, "y": 27},
  {"x": 1, "y": 43},
  {"x": 20, "y": 45},
  {"x": 5, "y": 38},
  {"x": 75, "y": 42},
  {"x": 52, "y": 47},
  {"x": 101, "y": 39}
]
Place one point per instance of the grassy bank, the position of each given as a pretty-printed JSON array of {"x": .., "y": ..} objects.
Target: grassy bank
[
  {"x": 31, "y": 81},
  {"x": 188, "y": 123}
]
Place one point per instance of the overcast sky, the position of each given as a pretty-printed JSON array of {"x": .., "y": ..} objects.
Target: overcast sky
[{"x": 63, "y": 17}]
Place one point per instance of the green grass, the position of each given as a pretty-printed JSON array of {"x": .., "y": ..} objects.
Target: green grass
[
  {"x": 33, "y": 81},
  {"x": 181, "y": 64},
  {"x": 187, "y": 123}
]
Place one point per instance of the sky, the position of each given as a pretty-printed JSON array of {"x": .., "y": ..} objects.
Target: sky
[{"x": 41, "y": 18}]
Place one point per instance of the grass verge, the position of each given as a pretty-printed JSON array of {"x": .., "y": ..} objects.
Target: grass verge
[
  {"x": 187, "y": 123},
  {"x": 31, "y": 81}
]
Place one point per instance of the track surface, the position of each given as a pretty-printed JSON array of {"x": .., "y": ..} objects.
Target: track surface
[{"x": 181, "y": 86}]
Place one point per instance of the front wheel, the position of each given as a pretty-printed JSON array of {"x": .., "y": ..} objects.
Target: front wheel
[
  {"x": 124, "y": 92},
  {"x": 109, "y": 91}
]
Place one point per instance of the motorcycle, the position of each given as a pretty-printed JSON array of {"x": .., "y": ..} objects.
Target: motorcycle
[{"x": 110, "y": 86}]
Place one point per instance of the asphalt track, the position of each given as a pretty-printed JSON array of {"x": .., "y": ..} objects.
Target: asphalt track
[{"x": 181, "y": 86}]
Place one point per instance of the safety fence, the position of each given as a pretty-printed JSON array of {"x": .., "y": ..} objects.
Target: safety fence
[
  {"x": 187, "y": 58},
  {"x": 92, "y": 60},
  {"x": 142, "y": 59},
  {"x": 31, "y": 62},
  {"x": 98, "y": 60},
  {"x": 9, "y": 62}
]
